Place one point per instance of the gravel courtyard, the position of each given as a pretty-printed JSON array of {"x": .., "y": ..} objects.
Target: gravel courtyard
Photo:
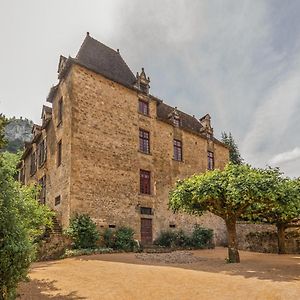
[{"x": 201, "y": 274}]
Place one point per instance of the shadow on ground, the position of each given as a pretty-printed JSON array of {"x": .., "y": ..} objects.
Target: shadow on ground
[
  {"x": 278, "y": 268},
  {"x": 37, "y": 289}
]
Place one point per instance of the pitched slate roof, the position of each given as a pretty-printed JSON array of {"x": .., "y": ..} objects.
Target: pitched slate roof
[
  {"x": 104, "y": 60},
  {"x": 186, "y": 121}
]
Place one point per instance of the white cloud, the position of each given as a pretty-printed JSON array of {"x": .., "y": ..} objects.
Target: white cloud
[{"x": 285, "y": 156}]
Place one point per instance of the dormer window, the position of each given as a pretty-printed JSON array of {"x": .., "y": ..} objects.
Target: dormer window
[
  {"x": 176, "y": 121},
  {"x": 143, "y": 87},
  {"x": 142, "y": 82}
]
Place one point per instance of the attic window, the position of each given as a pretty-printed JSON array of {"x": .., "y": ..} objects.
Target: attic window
[
  {"x": 144, "y": 87},
  {"x": 176, "y": 121}
]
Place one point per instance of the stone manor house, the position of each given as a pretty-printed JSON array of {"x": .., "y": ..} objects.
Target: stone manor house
[{"x": 108, "y": 148}]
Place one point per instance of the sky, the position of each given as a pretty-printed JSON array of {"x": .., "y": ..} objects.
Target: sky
[{"x": 237, "y": 60}]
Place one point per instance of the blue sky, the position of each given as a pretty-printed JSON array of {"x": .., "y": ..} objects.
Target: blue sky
[{"x": 237, "y": 60}]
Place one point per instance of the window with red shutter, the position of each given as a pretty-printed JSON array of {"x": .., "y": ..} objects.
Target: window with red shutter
[{"x": 145, "y": 182}]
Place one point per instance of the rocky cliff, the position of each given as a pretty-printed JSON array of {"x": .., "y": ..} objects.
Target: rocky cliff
[{"x": 17, "y": 132}]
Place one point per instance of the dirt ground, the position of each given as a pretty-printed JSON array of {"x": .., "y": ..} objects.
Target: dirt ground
[{"x": 201, "y": 274}]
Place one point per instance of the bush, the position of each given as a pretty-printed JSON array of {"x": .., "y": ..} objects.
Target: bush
[
  {"x": 77, "y": 252},
  {"x": 121, "y": 239},
  {"x": 83, "y": 232},
  {"x": 166, "y": 239},
  {"x": 202, "y": 237},
  {"x": 22, "y": 219}
]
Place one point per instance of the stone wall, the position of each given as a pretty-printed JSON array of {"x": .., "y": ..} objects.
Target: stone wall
[
  {"x": 106, "y": 160},
  {"x": 263, "y": 238}
]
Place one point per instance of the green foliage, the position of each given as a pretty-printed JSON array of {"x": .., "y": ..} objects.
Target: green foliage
[
  {"x": 78, "y": 252},
  {"x": 234, "y": 153},
  {"x": 22, "y": 219},
  {"x": 83, "y": 232},
  {"x": 3, "y": 123},
  {"x": 200, "y": 238},
  {"x": 121, "y": 239},
  {"x": 231, "y": 193},
  {"x": 228, "y": 193},
  {"x": 166, "y": 239}
]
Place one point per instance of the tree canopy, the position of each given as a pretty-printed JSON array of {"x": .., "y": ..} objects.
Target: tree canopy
[
  {"x": 234, "y": 153},
  {"x": 229, "y": 194},
  {"x": 284, "y": 211},
  {"x": 22, "y": 219}
]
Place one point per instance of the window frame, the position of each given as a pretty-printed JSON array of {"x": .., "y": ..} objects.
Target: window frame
[
  {"x": 42, "y": 152},
  {"x": 210, "y": 160},
  {"x": 33, "y": 163},
  {"x": 145, "y": 182},
  {"x": 142, "y": 105},
  {"x": 60, "y": 111},
  {"x": 144, "y": 141},
  {"x": 59, "y": 153},
  {"x": 42, "y": 196},
  {"x": 177, "y": 150},
  {"x": 57, "y": 200}
]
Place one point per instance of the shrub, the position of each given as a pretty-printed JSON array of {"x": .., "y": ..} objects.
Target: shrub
[
  {"x": 77, "y": 252},
  {"x": 83, "y": 232},
  {"x": 121, "y": 239},
  {"x": 22, "y": 219},
  {"x": 202, "y": 237},
  {"x": 182, "y": 240},
  {"x": 166, "y": 239}
]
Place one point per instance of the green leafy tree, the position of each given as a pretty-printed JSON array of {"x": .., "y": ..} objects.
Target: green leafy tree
[
  {"x": 83, "y": 232},
  {"x": 229, "y": 194},
  {"x": 22, "y": 219},
  {"x": 284, "y": 211},
  {"x": 3, "y": 123},
  {"x": 234, "y": 153}
]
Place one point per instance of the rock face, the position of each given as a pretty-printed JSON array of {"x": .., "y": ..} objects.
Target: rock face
[{"x": 17, "y": 132}]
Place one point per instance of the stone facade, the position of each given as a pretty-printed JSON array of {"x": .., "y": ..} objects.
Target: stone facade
[{"x": 101, "y": 161}]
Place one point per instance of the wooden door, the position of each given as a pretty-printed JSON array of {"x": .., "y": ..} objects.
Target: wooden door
[{"x": 146, "y": 231}]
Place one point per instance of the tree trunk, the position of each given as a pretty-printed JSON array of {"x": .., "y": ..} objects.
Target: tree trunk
[
  {"x": 281, "y": 238},
  {"x": 233, "y": 252}
]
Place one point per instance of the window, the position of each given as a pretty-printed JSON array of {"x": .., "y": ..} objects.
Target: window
[
  {"x": 60, "y": 111},
  {"x": 176, "y": 121},
  {"x": 146, "y": 210},
  {"x": 42, "y": 183},
  {"x": 22, "y": 175},
  {"x": 172, "y": 225},
  {"x": 144, "y": 87},
  {"x": 144, "y": 141},
  {"x": 211, "y": 163},
  {"x": 145, "y": 182},
  {"x": 32, "y": 163},
  {"x": 57, "y": 200},
  {"x": 111, "y": 226},
  {"x": 59, "y": 153},
  {"x": 144, "y": 107},
  {"x": 42, "y": 152},
  {"x": 177, "y": 150}
]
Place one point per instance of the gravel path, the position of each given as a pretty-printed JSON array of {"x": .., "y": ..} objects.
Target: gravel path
[
  {"x": 176, "y": 257},
  {"x": 181, "y": 275}
]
